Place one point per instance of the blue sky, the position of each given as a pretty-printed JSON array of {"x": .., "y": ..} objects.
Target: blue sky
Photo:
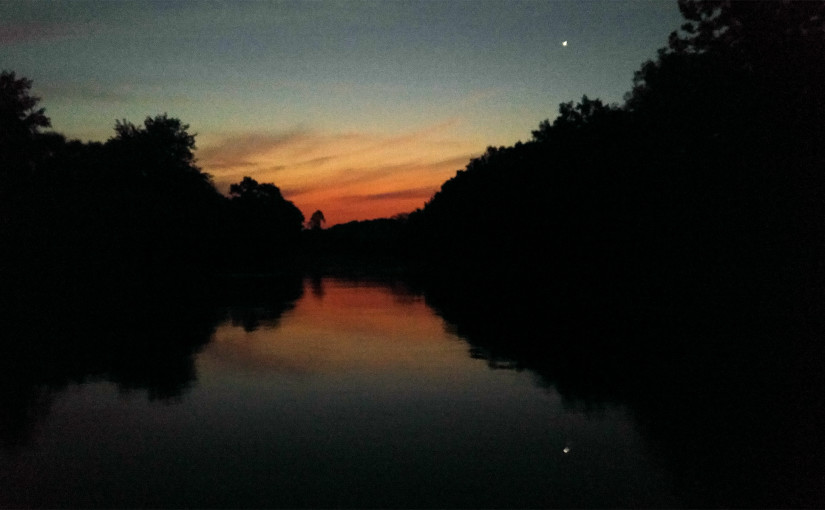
[{"x": 361, "y": 109}]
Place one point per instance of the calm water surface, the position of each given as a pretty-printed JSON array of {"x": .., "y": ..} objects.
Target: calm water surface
[{"x": 359, "y": 395}]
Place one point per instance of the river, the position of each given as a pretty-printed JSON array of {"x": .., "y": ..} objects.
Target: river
[{"x": 339, "y": 393}]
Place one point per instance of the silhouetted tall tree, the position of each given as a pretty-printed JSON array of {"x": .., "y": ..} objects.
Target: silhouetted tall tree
[
  {"x": 20, "y": 136},
  {"x": 316, "y": 221}
]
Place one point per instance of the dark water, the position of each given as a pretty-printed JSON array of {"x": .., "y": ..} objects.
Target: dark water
[{"x": 359, "y": 394}]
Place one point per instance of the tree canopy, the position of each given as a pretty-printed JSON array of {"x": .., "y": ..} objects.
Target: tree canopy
[
  {"x": 139, "y": 200},
  {"x": 19, "y": 115},
  {"x": 708, "y": 179},
  {"x": 316, "y": 221},
  {"x": 20, "y": 123}
]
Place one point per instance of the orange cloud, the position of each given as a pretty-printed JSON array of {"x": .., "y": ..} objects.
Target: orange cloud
[{"x": 349, "y": 176}]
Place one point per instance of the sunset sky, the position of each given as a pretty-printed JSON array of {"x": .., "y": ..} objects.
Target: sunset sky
[{"x": 360, "y": 109}]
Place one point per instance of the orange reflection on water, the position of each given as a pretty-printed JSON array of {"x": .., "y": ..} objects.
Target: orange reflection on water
[{"x": 341, "y": 326}]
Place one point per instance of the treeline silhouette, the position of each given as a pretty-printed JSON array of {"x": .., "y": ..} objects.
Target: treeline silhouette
[
  {"x": 705, "y": 187},
  {"x": 136, "y": 203}
]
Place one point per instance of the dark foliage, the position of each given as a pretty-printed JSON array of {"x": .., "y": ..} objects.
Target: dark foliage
[
  {"x": 372, "y": 246},
  {"x": 703, "y": 190},
  {"x": 137, "y": 204},
  {"x": 264, "y": 227},
  {"x": 20, "y": 133},
  {"x": 316, "y": 221}
]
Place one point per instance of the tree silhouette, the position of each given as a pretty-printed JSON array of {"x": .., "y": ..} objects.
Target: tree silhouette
[
  {"x": 316, "y": 221},
  {"x": 20, "y": 124},
  {"x": 705, "y": 186},
  {"x": 262, "y": 222},
  {"x": 733, "y": 108},
  {"x": 19, "y": 117},
  {"x": 573, "y": 116},
  {"x": 136, "y": 204},
  {"x": 249, "y": 190},
  {"x": 264, "y": 208},
  {"x": 160, "y": 150}
]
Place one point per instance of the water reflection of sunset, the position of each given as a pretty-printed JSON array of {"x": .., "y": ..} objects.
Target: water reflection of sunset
[
  {"x": 332, "y": 329},
  {"x": 331, "y": 404}
]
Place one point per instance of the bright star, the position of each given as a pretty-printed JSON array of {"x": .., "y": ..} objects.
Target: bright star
[{"x": 564, "y": 43}]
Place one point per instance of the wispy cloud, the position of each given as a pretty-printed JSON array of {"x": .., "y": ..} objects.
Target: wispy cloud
[
  {"x": 422, "y": 193},
  {"x": 355, "y": 175},
  {"x": 238, "y": 151}
]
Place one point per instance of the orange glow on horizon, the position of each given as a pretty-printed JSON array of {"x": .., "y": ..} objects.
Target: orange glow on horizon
[{"x": 347, "y": 176}]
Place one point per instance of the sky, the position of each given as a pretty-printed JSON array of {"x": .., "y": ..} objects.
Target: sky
[{"x": 361, "y": 109}]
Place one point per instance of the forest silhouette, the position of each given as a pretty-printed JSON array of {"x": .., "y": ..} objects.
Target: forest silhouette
[{"x": 702, "y": 191}]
